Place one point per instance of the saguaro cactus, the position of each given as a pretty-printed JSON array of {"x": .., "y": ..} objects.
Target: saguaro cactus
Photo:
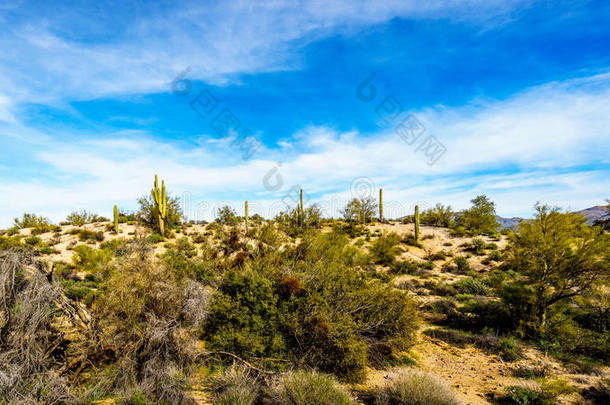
[
  {"x": 380, "y": 205},
  {"x": 160, "y": 199},
  {"x": 246, "y": 208},
  {"x": 301, "y": 210},
  {"x": 116, "y": 219},
  {"x": 416, "y": 223}
]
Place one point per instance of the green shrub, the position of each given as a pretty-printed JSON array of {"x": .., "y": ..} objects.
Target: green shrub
[
  {"x": 522, "y": 395},
  {"x": 89, "y": 235},
  {"x": 82, "y": 218},
  {"x": 441, "y": 255},
  {"x": 305, "y": 388},
  {"x": 155, "y": 238},
  {"x": 545, "y": 392},
  {"x": 473, "y": 286},
  {"x": 478, "y": 246},
  {"x": 411, "y": 241},
  {"x": 92, "y": 260},
  {"x": 461, "y": 262},
  {"x": 416, "y": 387},
  {"x": 227, "y": 216},
  {"x": 322, "y": 313},
  {"x": 509, "y": 351},
  {"x": 477, "y": 315},
  {"x": 384, "y": 249},
  {"x": 32, "y": 240},
  {"x": 37, "y": 224},
  {"x": 295, "y": 222},
  {"x": 236, "y": 386},
  {"x": 427, "y": 265},
  {"x": 360, "y": 210},
  {"x": 7, "y": 242},
  {"x": 438, "y": 216},
  {"x": 79, "y": 290},
  {"x": 148, "y": 216},
  {"x": 480, "y": 218},
  {"x": 404, "y": 267},
  {"x": 495, "y": 255}
]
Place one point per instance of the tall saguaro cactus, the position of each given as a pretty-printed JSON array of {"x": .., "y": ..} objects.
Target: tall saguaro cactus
[
  {"x": 160, "y": 199},
  {"x": 416, "y": 223},
  {"x": 116, "y": 219},
  {"x": 301, "y": 209},
  {"x": 246, "y": 209},
  {"x": 380, "y": 205}
]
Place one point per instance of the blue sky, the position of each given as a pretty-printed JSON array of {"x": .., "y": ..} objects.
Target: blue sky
[{"x": 515, "y": 92}]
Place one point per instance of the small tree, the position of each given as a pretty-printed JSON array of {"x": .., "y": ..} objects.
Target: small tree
[
  {"x": 438, "y": 216},
  {"x": 148, "y": 214},
  {"x": 560, "y": 256},
  {"x": 297, "y": 221},
  {"x": 480, "y": 218},
  {"x": 360, "y": 210},
  {"x": 227, "y": 216}
]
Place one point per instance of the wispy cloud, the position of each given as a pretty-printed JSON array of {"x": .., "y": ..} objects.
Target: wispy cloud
[
  {"x": 553, "y": 139},
  {"x": 44, "y": 60}
]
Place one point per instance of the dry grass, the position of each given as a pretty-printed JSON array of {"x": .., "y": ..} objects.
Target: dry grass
[{"x": 416, "y": 387}]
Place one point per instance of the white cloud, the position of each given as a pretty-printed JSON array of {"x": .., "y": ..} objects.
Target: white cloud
[
  {"x": 549, "y": 144},
  {"x": 45, "y": 60}
]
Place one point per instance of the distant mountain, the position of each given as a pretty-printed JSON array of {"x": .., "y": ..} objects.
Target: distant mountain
[
  {"x": 591, "y": 215},
  {"x": 510, "y": 223},
  {"x": 594, "y": 213}
]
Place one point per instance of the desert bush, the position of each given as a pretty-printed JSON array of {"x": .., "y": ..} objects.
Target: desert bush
[
  {"x": 559, "y": 257},
  {"x": 323, "y": 313},
  {"x": 543, "y": 392},
  {"x": 438, "y": 216},
  {"x": 404, "y": 267},
  {"x": 409, "y": 239},
  {"x": 306, "y": 387},
  {"x": 441, "y": 288},
  {"x": 440, "y": 255},
  {"x": 479, "y": 219},
  {"x": 32, "y": 240},
  {"x": 227, "y": 216},
  {"x": 295, "y": 222},
  {"x": 81, "y": 218},
  {"x": 38, "y": 225},
  {"x": 360, "y": 210},
  {"x": 473, "y": 286},
  {"x": 237, "y": 385},
  {"x": 90, "y": 260},
  {"x": 524, "y": 394},
  {"x": 477, "y": 315},
  {"x": 30, "y": 342},
  {"x": 7, "y": 242},
  {"x": 142, "y": 341},
  {"x": 385, "y": 248},
  {"x": 85, "y": 235},
  {"x": 478, "y": 246},
  {"x": 155, "y": 238},
  {"x": 462, "y": 264},
  {"x": 147, "y": 215},
  {"x": 416, "y": 387},
  {"x": 495, "y": 255}
]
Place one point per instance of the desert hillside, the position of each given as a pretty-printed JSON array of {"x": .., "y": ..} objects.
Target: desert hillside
[{"x": 444, "y": 274}]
